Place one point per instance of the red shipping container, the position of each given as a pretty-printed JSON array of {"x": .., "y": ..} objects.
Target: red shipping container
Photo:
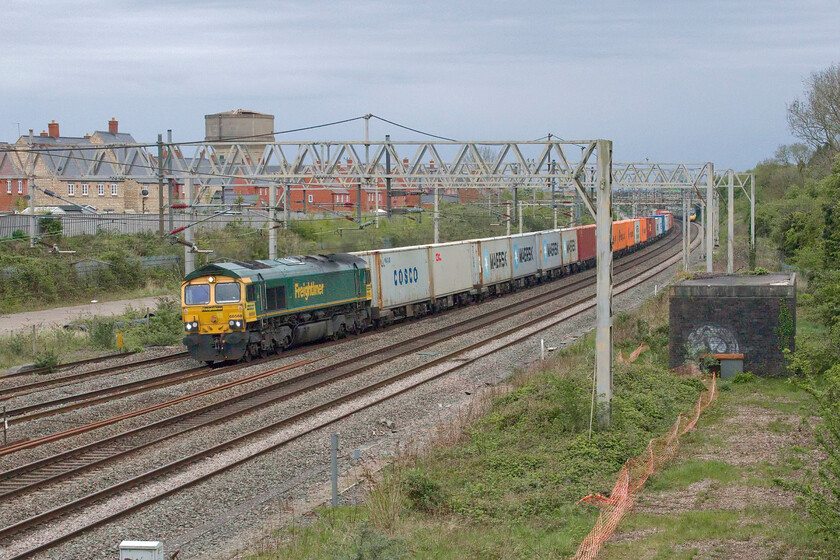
[{"x": 586, "y": 242}]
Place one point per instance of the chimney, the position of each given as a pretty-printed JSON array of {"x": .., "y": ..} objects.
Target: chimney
[
  {"x": 44, "y": 133},
  {"x": 113, "y": 127},
  {"x": 53, "y": 127}
]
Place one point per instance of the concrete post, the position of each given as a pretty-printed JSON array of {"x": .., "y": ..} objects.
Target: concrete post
[
  {"x": 169, "y": 177},
  {"x": 359, "y": 202},
  {"x": 685, "y": 230},
  {"x": 160, "y": 184},
  {"x": 287, "y": 206},
  {"x": 604, "y": 286},
  {"x": 33, "y": 222},
  {"x": 189, "y": 236},
  {"x": 709, "y": 214},
  {"x": 272, "y": 214},
  {"x": 334, "y": 468},
  {"x": 752, "y": 220},
  {"x": 509, "y": 217},
  {"x": 521, "y": 206},
  {"x": 555, "y": 218},
  {"x": 730, "y": 225},
  {"x": 387, "y": 173},
  {"x": 437, "y": 215}
]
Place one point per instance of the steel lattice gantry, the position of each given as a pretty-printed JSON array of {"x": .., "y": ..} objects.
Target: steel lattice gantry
[{"x": 585, "y": 166}]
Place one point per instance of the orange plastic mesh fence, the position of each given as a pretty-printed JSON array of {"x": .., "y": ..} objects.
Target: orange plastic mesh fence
[{"x": 633, "y": 476}]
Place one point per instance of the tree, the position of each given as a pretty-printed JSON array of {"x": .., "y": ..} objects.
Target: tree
[{"x": 815, "y": 118}]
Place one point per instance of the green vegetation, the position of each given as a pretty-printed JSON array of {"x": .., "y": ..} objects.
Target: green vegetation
[
  {"x": 36, "y": 278},
  {"x": 509, "y": 486},
  {"x": 162, "y": 327}
]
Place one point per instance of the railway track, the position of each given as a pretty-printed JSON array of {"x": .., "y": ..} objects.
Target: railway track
[
  {"x": 402, "y": 348},
  {"x": 69, "y": 403},
  {"x": 440, "y": 366},
  {"x": 41, "y": 384},
  {"x": 292, "y": 386}
]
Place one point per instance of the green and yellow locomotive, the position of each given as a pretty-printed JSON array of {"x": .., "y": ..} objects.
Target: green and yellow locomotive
[{"x": 238, "y": 310}]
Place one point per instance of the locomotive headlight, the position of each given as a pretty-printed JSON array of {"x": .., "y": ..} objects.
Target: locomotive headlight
[
  {"x": 195, "y": 324},
  {"x": 238, "y": 324},
  {"x": 188, "y": 326}
]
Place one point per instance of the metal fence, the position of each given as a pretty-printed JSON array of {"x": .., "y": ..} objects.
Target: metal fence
[{"x": 90, "y": 224}]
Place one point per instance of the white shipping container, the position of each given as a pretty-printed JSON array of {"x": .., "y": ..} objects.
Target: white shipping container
[
  {"x": 495, "y": 260},
  {"x": 399, "y": 276},
  {"x": 551, "y": 254},
  {"x": 454, "y": 268},
  {"x": 637, "y": 231},
  {"x": 569, "y": 246},
  {"x": 526, "y": 258}
]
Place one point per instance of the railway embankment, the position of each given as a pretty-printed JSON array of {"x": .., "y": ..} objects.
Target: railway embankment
[{"x": 504, "y": 480}]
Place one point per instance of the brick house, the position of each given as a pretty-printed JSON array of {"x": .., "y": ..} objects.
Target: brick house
[
  {"x": 14, "y": 185},
  {"x": 66, "y": 168}
]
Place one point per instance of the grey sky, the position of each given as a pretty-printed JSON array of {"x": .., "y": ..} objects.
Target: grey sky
[{"x": 671, "y": 81}]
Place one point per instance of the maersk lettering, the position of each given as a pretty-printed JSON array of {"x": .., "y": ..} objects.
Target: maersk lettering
[
  {"x": 551, "y": 249},
  {"x": 498, "y": 260},
  {"x": 526, "y": 254}
]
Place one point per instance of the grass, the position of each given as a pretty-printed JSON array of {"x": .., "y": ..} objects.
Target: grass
[
  {"x": 57, "y": 345},
  {"x": 775, "y": 528},
  {"x": 37, "y": 279},
  {"x": 508, "y": 485}
]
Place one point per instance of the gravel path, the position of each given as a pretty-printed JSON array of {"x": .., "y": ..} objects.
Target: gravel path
[{"x": 58, "y": 316}]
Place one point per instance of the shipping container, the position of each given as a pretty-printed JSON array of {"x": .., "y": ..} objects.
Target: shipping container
[
  {"x": 495, "y": 260},
  {"x": 637, "y": 231},
  {"x": 651, "y": 227},
  {"x": 399, "y": 276},
  {"x": 586, "y": 242},
  {"x": 622, "y": 233},
  {"x": 643, "y": 230},
  {"x": 526, "y": 258},
  {"x": 454, "y": 268},
  {"x": 660, "y": 224},
  {"x": 570, "y": 246},
  {"x": 551, "y": 254}
]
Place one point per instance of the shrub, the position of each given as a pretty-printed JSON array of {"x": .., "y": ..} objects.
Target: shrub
[
  {"x": 47, "y": 359},
  {"x": 822, "y": 498},
  {"x": 743, "y": 377},
  {"x": 422, "y": 493},
  {"x": 102, "y": 334}
]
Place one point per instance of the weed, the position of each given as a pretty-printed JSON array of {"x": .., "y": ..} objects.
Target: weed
[
  {"x": 743, "y": 377},
  {"x": 48, "y": 359},
  {"x": 422, "y": 493}
]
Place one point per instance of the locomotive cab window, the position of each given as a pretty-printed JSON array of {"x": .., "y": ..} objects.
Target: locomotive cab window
[
  {"x": 227, "y": 292},
  {"x": 250, "y": 292},
  {"x": 197, "y": 294}
]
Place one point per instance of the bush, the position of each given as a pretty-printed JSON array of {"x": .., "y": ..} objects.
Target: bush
[
  {"x": 743, "y": 377},
  {"x": 423, "y": 493},
  {"x": 102, "y": 334},
  {"x": 47, "y": 359},
  {"x": 822, "y": 498}
]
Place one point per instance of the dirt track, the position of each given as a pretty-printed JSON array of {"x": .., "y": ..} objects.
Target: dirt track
[{"x": 63, "y": 315}]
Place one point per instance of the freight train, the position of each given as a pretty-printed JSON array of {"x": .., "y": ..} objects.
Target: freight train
[{"x": 239, "y": 310}]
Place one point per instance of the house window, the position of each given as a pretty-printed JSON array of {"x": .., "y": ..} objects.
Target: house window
[
  {"x": 20, "y": 186},
  {"x": 71, "y": 189},
  {"x": 310, "y": 198},
  {"x": 84, "y": 189},
  {"x": 101, "y": 189},
  {"x": 9, "y": 186},
  {"x": 113, "y": 189}
]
